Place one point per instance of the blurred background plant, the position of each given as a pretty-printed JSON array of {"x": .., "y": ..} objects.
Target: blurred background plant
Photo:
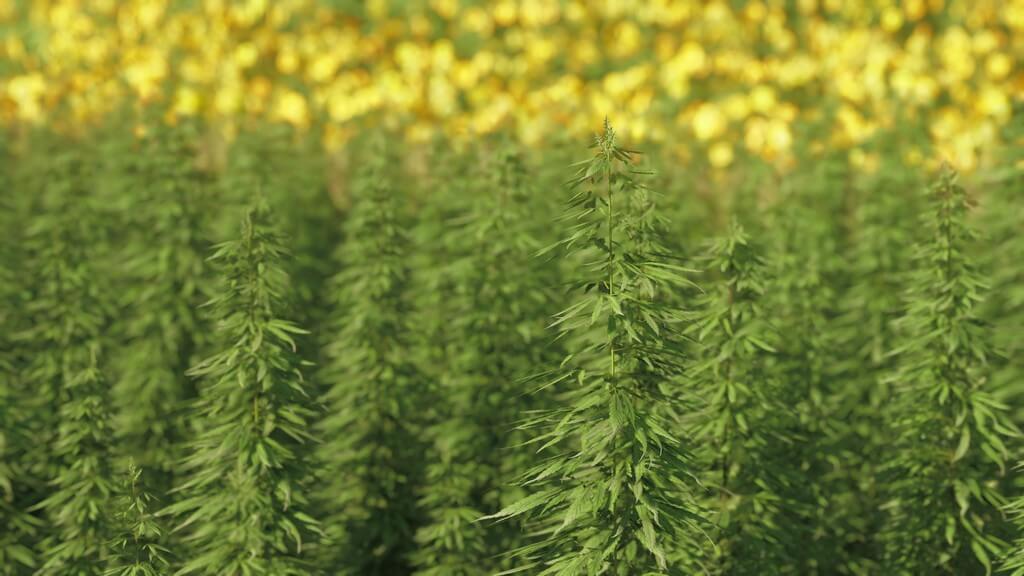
[{"x": 716, "y": 80}]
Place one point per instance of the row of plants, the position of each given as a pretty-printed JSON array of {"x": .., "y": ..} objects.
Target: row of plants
[{"x": 497, "y": 359}]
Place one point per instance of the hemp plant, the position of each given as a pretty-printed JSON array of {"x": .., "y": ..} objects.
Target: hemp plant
[
  {"x": 616, "y": 490},
  {"x": 167, "y": 280},
  {"x": 69, "y": 313},
  {"x": 20, "y": 527},
  {"x": 500, "y": 300},
  {"x": 244, "y": 503},
  {"x": 945, "y": 508},
  {"x": 370, "y": 455},
  {"x": 742, "y": 417},
  {"x": 138, "y": 549}
]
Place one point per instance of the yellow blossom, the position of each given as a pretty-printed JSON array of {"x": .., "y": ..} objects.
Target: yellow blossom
[
  {"x": 720, "y": 154},
  {"x": 762, "y": 98},
  {"x": 505, "y": 12},
  {"x": 708, "y": 121},
  {"x": 291, "y": 107},
  {"x": 186, "y": 101},
  {"x": 246, "y": 54},
  {"x": 736, "y": 107},
  {"x": 26, "y": 92},
  {"x": 892, "y": 19},
  {"x": 288, "y": 61},
  {"x": 477, "y": 20},
  {"x": 442, "y": 96},
  {"x": 998, "y": 65},
  {"x": 446, "y": 9},
  {"x": 994, "y": 102}
]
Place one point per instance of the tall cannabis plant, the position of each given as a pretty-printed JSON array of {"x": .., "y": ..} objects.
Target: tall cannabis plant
[
  {"x": 806, "y": 272},
  {"x": 952, "y": 432},
  {"x": 370, "y": 454},
  {"x": 244, "y": 504},
  {"x": 878, "y": 259},
  {"x": 1002, "y": 253},
  {"x": 16, "y": 478},
  {"x": 69, "y": 311},
  {"x": 1005, "y": 307},
  {"x": 442, "y": 204},
  {"x": 615, "y": 493},
  {"x": 137, "y": 550},
  {"x": 289, "y": 169},
  {"x": 166, "y": 280},
  {"x": 742, "y": 417},
  {"x": 500, "y": 300},
  {"x": 19, "y": 527}
]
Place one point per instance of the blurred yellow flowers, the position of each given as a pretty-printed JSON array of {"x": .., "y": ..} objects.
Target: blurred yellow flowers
[{"x": 722, "y": 75}]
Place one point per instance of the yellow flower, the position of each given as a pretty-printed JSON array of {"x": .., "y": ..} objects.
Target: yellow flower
[
  {"x": 755, "y": 136},
  {"x": 708, "y": 121},
  {"x": 186, "y": 101},
  {"x": 291, "y": 107},
  {"x": 441, "y": 96},
  {"x": 410, "y": 57},
  {"x": 994, "y": 102},
  {"x": 641, "y": 101},
  {"x": 998, "y": 65},
  {"x": 322, "y": 68},
  {"x": 26, "y": 92},
  {"x": 228, "y": 99},
  {"x": 984, "y": 41},
  {"x": 780, "y": 138},
  {"x": 465, "y": 75},
  {"x": 892, "y": 19},
  {"x": 288, "y": 61},
  {"x": 737, "y": 107},
  {"x": 442, "y": 55},
  {"x": 377, "y": 9},
  {"x": 246, "y": 54},
  {"x": 914, "y": 9},
  {"x": 446, "y": 9},
  {"x": 536, "y": 13},
  {"x": 720, "y": 155},
  {"x": 478, "y": 20},
  {"x": 505, "y": 12},
  {"x": 626, "y": 39},
  {"x": 762, "y": 99}
]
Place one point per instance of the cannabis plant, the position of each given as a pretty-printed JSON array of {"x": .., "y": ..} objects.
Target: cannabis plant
[
  {"x": 288, "y": 168},
  {"x": 441, "y": 206},
  {"x": 1002, "y": 253},
  {"x": 878, "y": 258},
  {"x": 1005, "y": 308},
  {"x": 806, "y": 272},
  {"x": 944, "y": 501},
  {"x": 19, "y": 526},
  {"x": 499, "y": 304},
  {"x": 742, "y": 414},
  {"x": 244, "y": 507},
  {"x": 166, "y": 280},
  {"x": 137, "y": 550},
  {"x": 615, "y": 492},
  {"x": 69, "y": 311},
  {"x": 370, "y": 455}
]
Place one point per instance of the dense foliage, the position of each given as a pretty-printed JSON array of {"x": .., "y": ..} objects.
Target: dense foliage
[{"x": 447, "y": 361}]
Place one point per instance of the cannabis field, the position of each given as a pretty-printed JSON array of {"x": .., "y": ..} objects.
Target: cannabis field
[
  {"x": 458, "y": 361},
  {"x": 462, "y": 288}
]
